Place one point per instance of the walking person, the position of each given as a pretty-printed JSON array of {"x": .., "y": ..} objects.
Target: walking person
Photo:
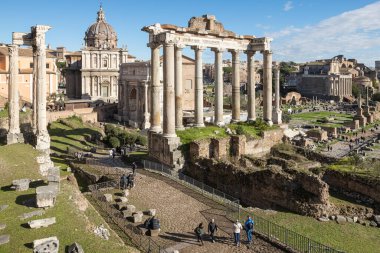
[
  {"x": 199, "y": 232},
  {"x": 134, "y": 167},
  {"x": 113, "y": 153},
  {"x": 249, "y": 228},
  {"x": 212, "y": 228},
  {"x": 237, "y": 228}
]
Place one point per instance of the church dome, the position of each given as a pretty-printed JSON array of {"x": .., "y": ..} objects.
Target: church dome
[
  {"x": 101, "y": 34},
  {"x": 363, "y": 81}
]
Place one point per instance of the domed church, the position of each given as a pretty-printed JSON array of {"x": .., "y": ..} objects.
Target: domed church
[{"x": 99, "y": 63}]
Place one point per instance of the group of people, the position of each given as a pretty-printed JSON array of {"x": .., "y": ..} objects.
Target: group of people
[
  {"x": 127, "y": 182},
  {"x": 237, "y": 227}
]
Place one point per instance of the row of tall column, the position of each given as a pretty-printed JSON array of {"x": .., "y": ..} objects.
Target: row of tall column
[
  {"x": 173, "y": 90},
  {"x": 39, "y": 122}
]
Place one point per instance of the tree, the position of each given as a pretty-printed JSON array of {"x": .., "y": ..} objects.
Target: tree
[
  {"x": 355, "y": 90},
  {"x": 114, "y": 142},
  {"x": 376, "y": 97}
]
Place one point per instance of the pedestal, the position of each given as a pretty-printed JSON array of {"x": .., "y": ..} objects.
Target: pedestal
[
  {"x": 277, "y": 117},
  {"x": 15, "y": 138}
]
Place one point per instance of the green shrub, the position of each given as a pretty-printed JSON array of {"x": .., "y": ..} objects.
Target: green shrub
[
  {"x": 108, "y": 128},
  {"x": 142, "y": 140},
  {"x": 114, "y": 142},
  {"x": 239, "y": 130}
]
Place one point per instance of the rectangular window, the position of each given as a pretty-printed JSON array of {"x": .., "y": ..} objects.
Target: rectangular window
[
  {"x": 31, "y": 65},
  {"x": 47, "y": 65}
]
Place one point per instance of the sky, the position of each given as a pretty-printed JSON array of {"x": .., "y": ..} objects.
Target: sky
[{"x": 302, "y": 30}]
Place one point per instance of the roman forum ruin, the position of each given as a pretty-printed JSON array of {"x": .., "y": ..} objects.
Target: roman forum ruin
[
  {"x": 36, "y": 39},
  {"x": 201, "y": 33}
]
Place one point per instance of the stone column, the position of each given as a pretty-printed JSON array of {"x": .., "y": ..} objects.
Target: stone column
[
  {"x": 178, "y": 88},
  {"x": 218, "y": 86},
  {"x": 169, "y": 93},
  {"x": 267, "y": 72},
  {"x": 14, "y": 135},
  {"x": 235, "y": 85},
  {"x": 146, "y": 122},
  {"x": 156, "y": 88},
  {"x": 277, "y": 113},
  {"x": 43, "y": 138},
  {"x": 251, "y": 82},
  {"x": 198, "y": 87},
  {"x": 34, "y": 116}
]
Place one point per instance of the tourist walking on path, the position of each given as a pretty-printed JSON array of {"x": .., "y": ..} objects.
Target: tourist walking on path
[
  {"x": 123, "y": 182},
  {"x": 212, "y": 228},
  {"x": 199, "y": 232},
  {"x": 134, "y": 167},
  {"x": 111, "y": 153},
  {"x": 237, "y": 228},
  {"x": 249, "y": 228}
]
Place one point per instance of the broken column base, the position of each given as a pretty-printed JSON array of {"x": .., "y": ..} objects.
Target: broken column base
[
  {"x": 166, "y": 150},
  {"x": 44, "y": 163},
  {"x": 43, "y": 141},
  {"x": 277, "y": 117},
  {"x": 13, "y": 138}
]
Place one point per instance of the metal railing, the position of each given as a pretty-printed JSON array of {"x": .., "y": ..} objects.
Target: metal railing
[
  {"x": 134, "y": 234},
  {"x": 232, "y": 203},
  {"x": 263, "y": 227}
]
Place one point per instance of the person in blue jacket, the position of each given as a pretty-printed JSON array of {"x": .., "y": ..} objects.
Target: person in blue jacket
[{"x": 248, "y": 225}]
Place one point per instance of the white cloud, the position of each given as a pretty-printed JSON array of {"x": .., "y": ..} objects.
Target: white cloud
[
  {"x": 355, "y": 32},
  {"x": 288, "y": 6}
]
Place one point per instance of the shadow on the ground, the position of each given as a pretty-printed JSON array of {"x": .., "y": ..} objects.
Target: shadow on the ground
[{"x": 28, "y": 200}]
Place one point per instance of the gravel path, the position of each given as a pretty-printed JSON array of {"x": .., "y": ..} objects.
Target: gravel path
[{"x": 180, "y": 210}]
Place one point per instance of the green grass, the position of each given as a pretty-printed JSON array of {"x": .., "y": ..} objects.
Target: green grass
[
  {"x": 312, "y": 117},
  {"x": 208, "y": 132},
  {"x": 349, "y": 237},
  {"x": 73, "y": 225},
  {"x": 71, "y": 133},
  {"x": 4, "y": 113}
]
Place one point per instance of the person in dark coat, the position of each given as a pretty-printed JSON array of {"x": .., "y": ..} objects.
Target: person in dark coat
[
  {"x": 199, "y": 232},
  {"x": 212, "y": 228}
]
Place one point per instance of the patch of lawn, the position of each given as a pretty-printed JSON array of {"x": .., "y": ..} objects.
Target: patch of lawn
[
  {"x": 349, "y": 237},
  {"x": 313, "y": 117},
  {"x": 74, "y": 224},
  {"x": 195, "y": 133}
]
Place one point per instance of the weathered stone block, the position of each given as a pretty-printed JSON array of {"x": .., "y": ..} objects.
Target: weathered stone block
[
  {"x": 21, "y": 184},
  {"x": 131, "y": 208},
  {"x": 42, "y": 222},
  {"x": 340, "y": 219},
  {"x": 137, "y": 217},
  {"x": 46, "y": 195},
  {"x": 350, "y": 220},
  {"x": 154, "y": 232},
  {"x": 3, "y": 226},
  {"x": 152, "y": 212},
  {"x": 126, "y": 193},
  {"x": 323, "y": 219},
  {"x": 127, "y": 213},
  {"x": 46, "y": 245},
  {"x": 108, "y": 197},
  {"x": 123, "y": 200},
  {"x": 31, "y": 214},
  {"x": 4, "y": 239},
  {"x": 376, "y": 218},
  {"x": 75, "y": 248},
  {"x": 120, "y": 206}
]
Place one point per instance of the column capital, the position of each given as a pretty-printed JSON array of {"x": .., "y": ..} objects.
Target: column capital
[
  {"x": 154, "y": 45},
  {"x": 179, "y": 46},
  {"x": 13, "y": 49},
  {"x": 218, "y": 50},
  {"x": 267, "y": 52},
  {"x": 198, "y": 48},
  {"x": 250, "y": 52},
  {"x": 235, "y": 51}
]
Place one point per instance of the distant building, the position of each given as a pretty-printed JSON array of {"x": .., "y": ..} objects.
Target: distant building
[
  {"x": 135, "y": 79},
  {"x": 25, "y": 74},
  {"x": 93, "y": 72}
]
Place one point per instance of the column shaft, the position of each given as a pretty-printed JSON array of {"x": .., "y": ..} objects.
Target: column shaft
[
  {"x": 13, "y": 96},
  {"x": 41, "y": 90},
  {"x": 219, "y": 87},
  {"x": 277, "y": 87},
  {"x": 34, "y": 116},
  {"x": 267, "y": 72},
  {"x": 251, "y": 86},
  {"x": 178, "y": 88},
  {"x": 146, "y": 123},
  {"x": 235, "y": 86},
  {"x": 169, "y": 93},
  {"x": 198, "y": 88},
  {"x": 156, "y": 89}
]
